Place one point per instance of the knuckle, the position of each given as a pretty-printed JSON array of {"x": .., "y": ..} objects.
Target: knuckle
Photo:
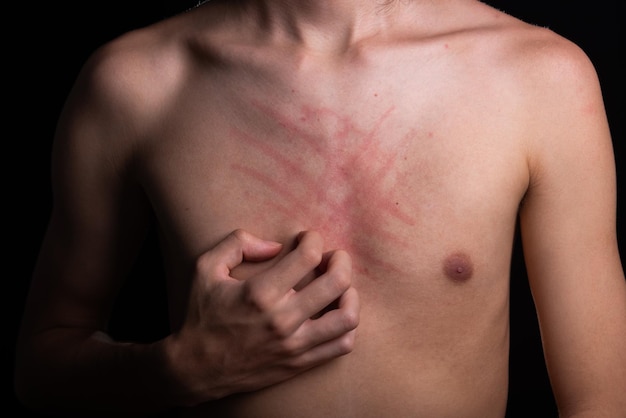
[
  {"x": 205, "y": 265},
  {"x": 255, "y": 298},
  {"x": 345, "y": 344},
  {"x": 302, "y": 360},
  {"x": 280, "y": 326},
  {"x": 342, "y": 260},
  {"x": 290, "y": 347},
  {"x": 350, "y": 320},
  {"x": 310, "y": 249},
  {"x": 310, "y": 255},
  {"x": 340, "y": 280},
  {"x": 240, "y": 235},
  {"x": 342, "y": 255}
]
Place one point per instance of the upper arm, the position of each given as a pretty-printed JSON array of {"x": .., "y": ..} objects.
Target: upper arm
[
  {"x": 99, "y": 215},
  {"x": 569, "y": 234}
]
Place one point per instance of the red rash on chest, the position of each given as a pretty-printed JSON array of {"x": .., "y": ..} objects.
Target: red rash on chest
[{"x": 341, "y": 179}]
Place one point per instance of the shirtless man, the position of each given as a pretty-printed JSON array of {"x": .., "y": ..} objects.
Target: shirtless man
[{"x": 406, "y": 139}]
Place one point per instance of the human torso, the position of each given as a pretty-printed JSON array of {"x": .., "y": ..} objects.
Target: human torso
[{"x": 409, "y": 157}]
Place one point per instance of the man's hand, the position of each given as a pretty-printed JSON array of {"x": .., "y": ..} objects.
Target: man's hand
[{"x": 241, "y": 336}]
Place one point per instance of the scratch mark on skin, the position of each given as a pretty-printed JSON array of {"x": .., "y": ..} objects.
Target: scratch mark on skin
[{"x": 356, "y": 187}]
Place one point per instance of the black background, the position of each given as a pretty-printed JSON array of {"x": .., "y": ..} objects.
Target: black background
[{"x": 43, "y": 51}]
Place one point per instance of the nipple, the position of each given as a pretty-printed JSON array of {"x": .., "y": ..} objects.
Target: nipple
[{"x": 458, "y": 267}]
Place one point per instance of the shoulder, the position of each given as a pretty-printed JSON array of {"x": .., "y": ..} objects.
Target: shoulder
[
  {"x": 536, "y": 55},
  {"x": 556, "y": 83},
  {"x": 555, "y": 92},
  {"x": 545, "y": 87},
  {"x": 541, "y": 62},
  {"x": 549, "y": 79},
  {"x": 132, "y": 78},
  {"x": 119, "y": 99},
  {"x": 140, "y": 74},
  {"x": 547, "y": 60},
  {"x": 496, "y": 50}
]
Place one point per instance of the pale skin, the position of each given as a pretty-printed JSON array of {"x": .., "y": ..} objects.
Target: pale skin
[{"x": 336, "y": 186}]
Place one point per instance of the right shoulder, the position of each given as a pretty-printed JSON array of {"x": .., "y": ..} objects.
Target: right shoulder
[
  {"x": 116, "y": 108},
  {"x": 130, "y": 81},
  {"x": 135, "y": 79}
]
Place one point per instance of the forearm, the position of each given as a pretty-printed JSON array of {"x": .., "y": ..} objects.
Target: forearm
[{"x": 85, "y": 373}]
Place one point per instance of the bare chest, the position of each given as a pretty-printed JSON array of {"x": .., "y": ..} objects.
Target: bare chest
[{"x": 378, "y": 180}]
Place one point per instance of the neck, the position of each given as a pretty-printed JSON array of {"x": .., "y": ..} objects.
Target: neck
[{"x": 325, "y": 25}]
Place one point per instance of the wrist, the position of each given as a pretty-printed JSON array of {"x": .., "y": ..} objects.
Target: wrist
[{"x": 190, "y": 378}]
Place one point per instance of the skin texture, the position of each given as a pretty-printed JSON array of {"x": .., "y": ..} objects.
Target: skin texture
[{"x": 406, "y": 139}]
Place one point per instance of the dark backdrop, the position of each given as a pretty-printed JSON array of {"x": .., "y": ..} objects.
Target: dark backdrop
[{"x": 46, "y": 46}]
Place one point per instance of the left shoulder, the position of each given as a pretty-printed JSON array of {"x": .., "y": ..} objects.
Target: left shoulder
[
  {"x": 534, "y": 63},
  {"x": 553, "y": 81},
  {"x": 547, "y": 60}
]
